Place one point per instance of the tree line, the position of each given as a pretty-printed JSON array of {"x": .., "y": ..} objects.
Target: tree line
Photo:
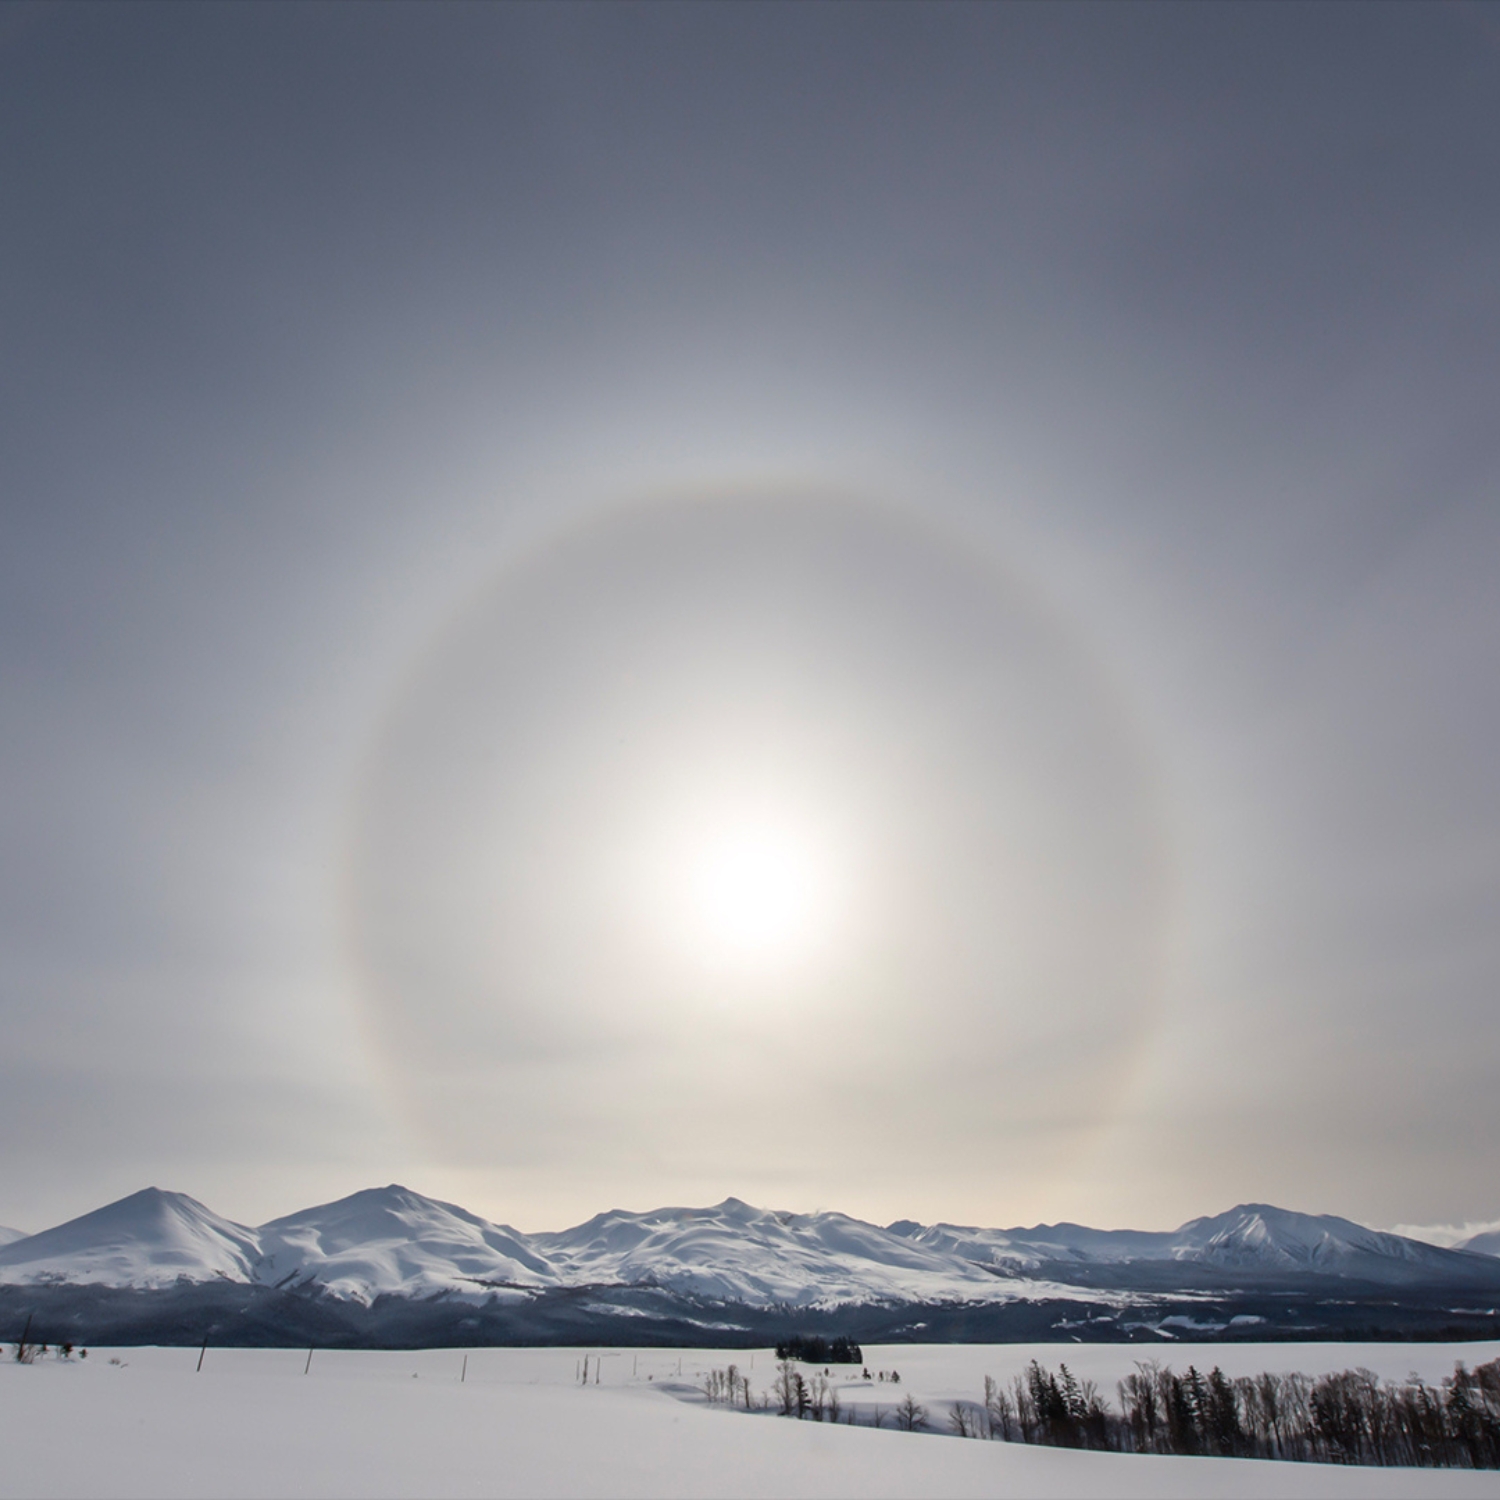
[
  {"x": 1352, "y": 1417},
  {"x": 814, "y": 1349},
  {"x": 808, "y": 1397}
]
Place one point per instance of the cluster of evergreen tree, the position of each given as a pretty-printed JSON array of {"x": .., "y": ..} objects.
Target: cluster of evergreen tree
[
  {"x": 814, "y": 1349},
  {"x": 1350, "y": 1418}
]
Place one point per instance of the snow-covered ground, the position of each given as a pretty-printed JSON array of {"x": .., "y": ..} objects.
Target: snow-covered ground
[{"x": 520, "y": 1423}]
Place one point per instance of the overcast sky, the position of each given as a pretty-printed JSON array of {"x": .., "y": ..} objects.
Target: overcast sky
[{"x": 470, "y": 473}]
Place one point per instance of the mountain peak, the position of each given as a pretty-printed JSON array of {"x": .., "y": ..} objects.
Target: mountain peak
[
  {"x": 149, "y": 1238},
  {"x": 395, "y": 1240}
]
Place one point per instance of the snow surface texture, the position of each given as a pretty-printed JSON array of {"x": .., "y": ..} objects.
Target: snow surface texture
[
  {"x": 520, "y": 1423},
  {"x": 392, "y": 1240}
]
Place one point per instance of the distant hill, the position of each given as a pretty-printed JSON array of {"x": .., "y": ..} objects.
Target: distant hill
[{"x": 1487, "y": 1243}]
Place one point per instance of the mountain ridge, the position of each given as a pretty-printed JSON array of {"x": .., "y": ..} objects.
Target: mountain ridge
[{"x": 392, "y": 1241}]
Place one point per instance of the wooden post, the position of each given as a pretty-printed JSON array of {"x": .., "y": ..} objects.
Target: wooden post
[
  {"x": 201, "y": 1353},
  {"x": 308, "y": 1365},
  {"x": 463, "y": 1374}
]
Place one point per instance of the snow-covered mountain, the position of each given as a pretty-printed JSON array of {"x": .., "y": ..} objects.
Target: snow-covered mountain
[
  {"x": 382, "y": 1240},
  {"x": 394, "y": 1242},
  {"x": 8, "y": 1236},
  {"x": 391, "y": 1239},
  {"x": 735, "y": 1253},
  {"x": 1021, "y": 1250},
  {"x": 1487, "y": 1243},
  {"x": 149, "y": 1239},
  {"x": 1255, "y": 1235}
]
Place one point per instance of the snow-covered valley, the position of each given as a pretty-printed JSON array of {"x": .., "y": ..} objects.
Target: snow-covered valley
[{"x": 501, "y": 1422}]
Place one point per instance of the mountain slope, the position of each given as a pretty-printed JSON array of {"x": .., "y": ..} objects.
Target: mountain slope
[
  {"x": 1252, "y": 1238},
  {"x": 1258, "y": 1235},
  {"x": 149, "y": 1239},
  {"x": 1046, "y": 1244},
  {"x": 391, "y": 1239},
  {"x": 735, "y": 1253},
  {"x": 1487, "y": 1243}
]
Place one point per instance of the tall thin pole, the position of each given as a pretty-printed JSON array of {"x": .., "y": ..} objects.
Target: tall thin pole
[
  {"x": 201, "y": 1353},
  {"x": 308, "y": 1365},
  {"x": 463, "y": 1374}
]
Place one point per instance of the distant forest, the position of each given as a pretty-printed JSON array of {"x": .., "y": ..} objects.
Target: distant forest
[
  {"x": 1348, "y": 1418},
  {"x": 813, "y": 1349}
]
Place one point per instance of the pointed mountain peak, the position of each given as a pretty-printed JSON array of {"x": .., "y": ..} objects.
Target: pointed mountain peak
[
  {"x": 149, "y": 1238},
  {"x": 392, "y": 1201}
]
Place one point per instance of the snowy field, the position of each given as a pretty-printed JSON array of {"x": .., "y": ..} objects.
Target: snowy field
[{"x": 518, "y": 1422}]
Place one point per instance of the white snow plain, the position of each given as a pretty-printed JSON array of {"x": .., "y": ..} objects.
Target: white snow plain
[{"x": 512, "y": 1422}]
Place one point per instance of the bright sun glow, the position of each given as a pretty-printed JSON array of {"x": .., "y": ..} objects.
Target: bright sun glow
[{"x": 757, "y": 893}]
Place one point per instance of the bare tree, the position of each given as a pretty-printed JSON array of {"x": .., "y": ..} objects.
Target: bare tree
[
  {"x": 1000, "y": 1410},
  {"x": 963, "y": 1421},
  {"x": 909, "y": 1415},
  {"x": 785, "y": 1387}
]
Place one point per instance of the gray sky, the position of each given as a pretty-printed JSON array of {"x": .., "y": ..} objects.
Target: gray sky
[{"x": 473, "y": 478}]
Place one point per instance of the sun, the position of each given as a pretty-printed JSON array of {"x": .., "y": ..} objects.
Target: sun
[{"x": 756, "y": 893}]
